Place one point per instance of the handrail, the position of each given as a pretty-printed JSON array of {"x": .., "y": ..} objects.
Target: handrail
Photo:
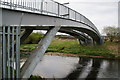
[{"x": 48, "y": 7}]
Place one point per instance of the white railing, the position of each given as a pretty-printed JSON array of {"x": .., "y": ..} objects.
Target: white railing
[{"x": 48, "y": 7}]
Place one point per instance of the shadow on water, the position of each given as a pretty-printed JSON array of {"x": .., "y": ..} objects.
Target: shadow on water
[
  {"x": 96, "y": 64},
  {"x": 83, "y": 63}
]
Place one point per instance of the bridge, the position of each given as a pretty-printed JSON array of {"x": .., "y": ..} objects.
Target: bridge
[{"x": 20, "y": 17}]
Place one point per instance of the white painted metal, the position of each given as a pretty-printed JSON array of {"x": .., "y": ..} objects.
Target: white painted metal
[
  {"x": 0, "y": 53},
  {"x": 0, "y": 43},
  {"x": 9, "y": 54},
  {"x": 36, "y": 20},
  {"x": 38, "y": 53}
]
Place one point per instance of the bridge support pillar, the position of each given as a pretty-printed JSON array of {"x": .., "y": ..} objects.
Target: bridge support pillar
[
  {"x": 0, "y": 53},
  {"x": 38, "y": 53},
  {"x": 90, "y": 42},
  {"x": 82, "y": 42},
  {"x": 86, "y": 42},
  {"x": 25, "y": 35},
  {"x": 0, "y": 43}
]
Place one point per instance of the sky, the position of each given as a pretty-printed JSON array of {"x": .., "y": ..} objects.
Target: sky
[{"x": 101, "y": 12}]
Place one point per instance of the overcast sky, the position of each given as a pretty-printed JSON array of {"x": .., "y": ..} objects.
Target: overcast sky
[{"x": 101, "y": 12}]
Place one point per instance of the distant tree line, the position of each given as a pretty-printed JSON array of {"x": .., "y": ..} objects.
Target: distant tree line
[
  {"x": 64, "y": 37},
  {"x": 34, "y": 38},
  {"x": 112, "y": 33}
]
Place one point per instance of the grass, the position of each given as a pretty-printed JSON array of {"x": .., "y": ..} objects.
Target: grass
[
  {"x": 32, "y": 77},
  {"x": 72, "y": 46},
  {"x": 28, "y": 47}
]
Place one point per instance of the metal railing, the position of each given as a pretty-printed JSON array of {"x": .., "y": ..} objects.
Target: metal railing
[
  {"x": 10, "y": 52},
  {"x": 48, "y": 7}
]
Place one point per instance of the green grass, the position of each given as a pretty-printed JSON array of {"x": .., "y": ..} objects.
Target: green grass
[
  {"x": 28, "y": 47},
  {"x": 72, "y": 46},
  {"x": 32, "y": 77}
]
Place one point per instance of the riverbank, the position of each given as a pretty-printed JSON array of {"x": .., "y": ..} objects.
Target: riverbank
[
  {"x": 79, "y": 55},
  {"x": 73, "y": 48}
]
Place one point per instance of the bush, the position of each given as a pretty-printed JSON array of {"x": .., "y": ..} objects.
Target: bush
[{"x": 34, "y": 38}]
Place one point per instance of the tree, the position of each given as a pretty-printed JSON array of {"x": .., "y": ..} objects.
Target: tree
[{"x": 111, "y": 32}]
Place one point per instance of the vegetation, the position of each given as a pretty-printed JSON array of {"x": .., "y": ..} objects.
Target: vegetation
[
  {"x": 73, "y": 46},
  {"x": 34, "y": 38},
  {"x": 109, "y": 49},
  {"x": 111, "y": 32},
  {"x": 36, "y": 78}
]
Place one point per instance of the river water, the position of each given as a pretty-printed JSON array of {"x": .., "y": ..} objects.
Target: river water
[{"x": 75, "y": 68}]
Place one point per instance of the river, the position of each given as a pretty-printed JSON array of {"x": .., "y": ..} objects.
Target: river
[{"x": 76, "y": 68}]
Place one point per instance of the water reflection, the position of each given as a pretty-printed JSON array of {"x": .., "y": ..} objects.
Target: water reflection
[
  {"x": 96, "y": 64},
  {"x": 76, "y": 68},
  {"x": 85, "y": 64},
  {"x": 74, "y": 75},
  {"x": 55, "y": 66},
  {"x": 109, "y": 69}
]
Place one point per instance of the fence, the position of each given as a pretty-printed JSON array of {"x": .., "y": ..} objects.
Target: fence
[{"x": 10, "y": 39}]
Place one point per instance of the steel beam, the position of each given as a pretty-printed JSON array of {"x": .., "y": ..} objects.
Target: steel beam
[
  {"x": 0, "y": 53},
  {"x": 38, "y": 53},
  {"x": 83, "y": 43},
  {"x": 0, "y": 43},
  {"x": 25, "y": 35},
  {"x": 37, "y": 20}
]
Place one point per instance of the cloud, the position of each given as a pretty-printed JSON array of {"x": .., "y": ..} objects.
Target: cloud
[
  {"x": 100, "y": 12},
  {"x": 62, "y": 1}
]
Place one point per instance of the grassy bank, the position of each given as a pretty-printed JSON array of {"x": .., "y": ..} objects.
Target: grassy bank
[{"x": 72, "y": 46}]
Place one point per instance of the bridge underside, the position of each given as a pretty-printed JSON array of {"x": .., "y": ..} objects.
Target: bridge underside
[{"x": 84, "y": 39}]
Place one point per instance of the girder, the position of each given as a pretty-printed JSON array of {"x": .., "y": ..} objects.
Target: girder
[{"x": 37, "y": 20}]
